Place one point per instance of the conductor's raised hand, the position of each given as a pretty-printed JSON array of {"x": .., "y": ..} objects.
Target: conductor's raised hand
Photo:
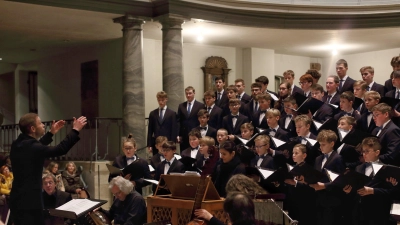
[
  {"x": 79, "y": 123},
  {"x": 56, "y": 126}
]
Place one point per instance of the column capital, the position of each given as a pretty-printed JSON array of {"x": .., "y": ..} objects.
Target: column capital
[
  {"x": 131, "y": 22},
  {"x": 171, "y": 21}
]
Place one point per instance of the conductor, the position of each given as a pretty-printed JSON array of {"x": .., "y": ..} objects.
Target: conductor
[{"x": 28, "y": 153}]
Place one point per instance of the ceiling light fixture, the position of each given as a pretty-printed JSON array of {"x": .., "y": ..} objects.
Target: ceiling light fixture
[
  {"x": 200, "y": 38},
  {"x": 334, "y": 52}
]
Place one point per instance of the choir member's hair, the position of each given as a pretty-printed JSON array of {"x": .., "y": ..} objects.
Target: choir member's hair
[
  {"x": 264, "y": 138},
  {"x": 349, "y": 120},
  {"x": 26, "y": 122},
  {"x": 129, "y": 139},
  {"x": 301, "y": 147},
  {"x": 262, "y": 79},
  {"x": 240, "y": 208},
  {"x": 326, "y": 136},
  {"x": 314, "y": 73},
  {"x": 231, "y": 88},
  {"x": 335, "y": 78},
  {"x": 256, "y": 85},
  {"x": 307, "y": 78},
  {"x": 317, "y": 87},
  {"x": 209, "y": 93},
  {"x": 289, "y": 72},
  {"x": 49, "y": 175},
  {"x": 209, "y": 141},
  {"x": 3, "y": 168},
  {"x": 223, "y": 130},
  {"x": 287, "y": 85},
  {"x": 396, "y": 74},
  {"x": 290, "y": 99},
  {"x": 373, "y": 94},
  {"x": 303, "y": 118},
  {"x": 371, "y": 142},
  {"x": 70, "y": 163},
  {"x": 162, "y": 94},
  {"x": 248, "y": 126},
  {"x": 264, "y": 96},
  {"x": 221, "y": 78},
  {"x": 234, "y": 101},
  {"x": 273, "y": 112},
  {"x": 342, "y": 61},
  {"x": 369, "y": 69},
  {"x": 228, "y": 146},
  {"x": 51, "y": 165},
  {"x": 123, "y": 184},
  {"x": 363, "y": 85},
  {"x": 395, "y": 61},
  {"x": 239, "y": 80},
  {"x": 195, "y": 132},
  {"x": 243, "y": 184},
  {"x": 382, "y": 108},
  {"x": 348, "y": 95},
  {"x": 161, "y": 139},
  {"x": 203, "y": 112},
  {"x": 190, "y": 88},
  {"x": 169, "y": 145}
]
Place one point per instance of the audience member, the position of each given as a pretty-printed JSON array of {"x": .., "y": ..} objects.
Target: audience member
[{"x": 72, "y": 181}]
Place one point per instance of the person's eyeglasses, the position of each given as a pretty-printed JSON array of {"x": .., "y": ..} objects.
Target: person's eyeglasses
[
  {"x": 282, "y": 88},
  {"x": 376, "y": 115},
  {"x": 128, "y": 148},
  {"x": 118, "y": 193},
  {"x": 166, "y": 150},
  {"x": 260, "y": 146},
  {"x": 48, "y": 183}
]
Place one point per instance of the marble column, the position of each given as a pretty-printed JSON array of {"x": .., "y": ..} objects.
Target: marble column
[
  {"x": 133, "y": 79},
  {"x": 172, "y": 59}
]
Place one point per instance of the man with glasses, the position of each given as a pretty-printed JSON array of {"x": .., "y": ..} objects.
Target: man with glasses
[
  {"x": 306, "y": 81},
  {"x": 252, "y": 107}
]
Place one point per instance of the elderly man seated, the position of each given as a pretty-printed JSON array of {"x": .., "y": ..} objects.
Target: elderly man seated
[
  {"x": 53, "y": 198},
  {"x": 129, "y": 207}
]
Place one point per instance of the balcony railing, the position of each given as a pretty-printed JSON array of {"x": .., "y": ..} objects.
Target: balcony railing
[
  {"x": 100, "y": 140},
  {"x": 331, "y": 2}
]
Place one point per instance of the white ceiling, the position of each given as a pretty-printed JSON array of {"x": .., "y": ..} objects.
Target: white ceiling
[{"x": 28, "y": 32}]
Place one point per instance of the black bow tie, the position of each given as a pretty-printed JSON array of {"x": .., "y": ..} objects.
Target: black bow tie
[
  {"x": 203, "y": 128},
  {"x": 131, "y": 158},
  {"x": 263, "y": 111},
  {"x": 272, "y": 130},
  {"x": 166, "y": 162},
  {"x": 368, "y": 113},
  {"x": 194, "y": 149},
  {"x": 261, "y": 157},
  {"x": 236, "y": 116},
  {"x": 289, "y": 115}
]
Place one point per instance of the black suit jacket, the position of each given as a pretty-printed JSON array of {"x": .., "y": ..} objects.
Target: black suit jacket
[
  {"x": 355, "y": 114},
  {"x": 167, "y": 127},
  {"x": 186, "y": 153},
  {"x": 61, "y": 198},
  {"x": 120, "y": 162},
  {"x": 176, "y": 167},
  {"x": 390, "y": 142},
  {"x": 291, "y": 129},
  {"x": 245, "y": 98},
  {"x": 362, "y": 123},
  {"x": 28, "y": 155},
  {"x": 215, "y": 120},
  {"x": 227, "y": 111},
  {"x": 347, "y": 85},
  {"x": 335, "y": 100},
  {"x": 281, "y": 134},
  {"x": 211, "y": 132},
  {"x": 267, "y": 162},
  {"x": 248, "y": 110},
  {"x": 378, "y": 88},
  {"x": 389, "y": 85},
  {"x": 188, "y": 122},
  {"x": 223, "y": 101},
  {"x": 228, "y": 125},
  {"x": 256, "y": 120},
  {"x": 155, "y": 160},
  {"x": 323, "y": 114},
  {"x": 334, "y": 163},
  {"x": 349, "y": 155},
  {"x": 297, "y": 90}
]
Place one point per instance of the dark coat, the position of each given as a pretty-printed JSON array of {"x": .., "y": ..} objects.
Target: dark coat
[
  {"x": 223, "y": 101},
  {"x": 224, "y": 172},
  {"x": 28, "y": 155},
  {"x": 187, "y": 122},
  {"x": 390, "y": 142},
  {"x": 389, "y": 85},
  {"x": 291, "y": 128},
  {"x": 61, "y": 198},
  {"x": 245, "y": 98},
  {"x": 362, "y": 123},
  {"x": 335, "y": 100},
  {"x": 297, "y": 90},
  {"x": 215, "y": 120},
  {"x": 347, "y": 85},
  {"x": 378, "y": 88},
  {"x": 176, "y": 167},
  {"x": 72, "y": 182},
  {"x": 228, "y": 125},
  {"x": 355, "y": 114},
  {"x": 168, "y": 127}
]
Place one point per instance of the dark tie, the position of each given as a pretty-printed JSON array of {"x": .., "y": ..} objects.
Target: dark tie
[
  {"x": 194, "y": 149},
  {"x": 398, "y": 95},
  {"x": 359, "y": 108},
  {"x": 131, "y": 158},
  {"x": 263, "y": 111},
  {"x": 189, "y": 108},
  {"x": 329, "y": 98},
  {"x": 219, "y": 96},
  {"x": 209, "y": 110},
  {"x": 167, "y": 162},
  {"x": 326, "y": 156},
  {"x": 272, "y": 130},
  {"x": 368, "y": 113},
  {"x": 260, "y": 157},
  {"x": 256, "y": 107},
  {"x": 348, "y": 114},
  {"x": 236, "y": 116},
  {"x": 368, "y": 88},
  {"x": 341, "y": 84},
  {"x": 203, "y": 128},
  {"x": 378, "y": 129},
  {"x": 161, "y": 114},
  {"x": 290, "y": 116}
]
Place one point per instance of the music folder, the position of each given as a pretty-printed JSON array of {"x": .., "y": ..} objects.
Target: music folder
[
  {"x": 384, "y": 171},
  {"x": 135, "y": 169},
  {"x": 355, "y": 137},
  {"x": 245, "y": 142},
  {"x": 350, "y": 177},
  {"x": 311, "y": 175},
  {"x": 76, "y": 208},
  {"x": 357, "y": 102},
  {"x": 270, "y": 175}
]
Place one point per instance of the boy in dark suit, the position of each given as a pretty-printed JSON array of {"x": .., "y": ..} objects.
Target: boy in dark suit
[
  {"x": 328, "y": 196},
  {"x": 222, "y": 98},
  {"x": 346, "y": 105},
  {"x": 204, "y": 128},
  {"x": 162, "y": 122},
  {"x": 332, "y": 96},
  {"x": 272, "y": 118},
  {"x": 187, "y": 116},
  {"x": 395, "y": 63},
  {"x": 205, "y": 143},
  {"x": 245, "y": 98},
  {"x": 349, "y": 154},
  {"x": 367, "y": 74},
  {"x": 156, "y": 159},
  {"x": 303, "y": 124},
  {"x": 371, "y": 99},
  {"x": 252, "y": 107},
  {"x": 360, "y": 88},
  {"x": 214, "y": 111},
  {"x": 372, "y": 203},
  {"x": 234, "y": 120},
  {"x": 345, "y": 82},
  {"x": 193, "y": 150},
  {"x": 286, "y": 122},
  {"x": 264, "y": 102},
  {"x": 306, "y": 81},
  {"x": 231, "y": 92},
  {"x": 325, "y": 112},
  {"x": 169, "y": 165},
  {"x": 288, "y": 75},
  {"x": 388, "y": 134}
]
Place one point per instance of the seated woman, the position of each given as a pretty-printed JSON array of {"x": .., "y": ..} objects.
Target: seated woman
[
  {"x": 53, "y": 168},
  {"x": 72, "y": 181},
  {"x": 229, "y": 166},
  {"x": 129, "y": 148},
  {"x": 6, "y": 178}
]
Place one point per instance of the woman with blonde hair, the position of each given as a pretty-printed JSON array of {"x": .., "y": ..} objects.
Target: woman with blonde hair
[
  {"x": 72, "y": 181},
  {"x": 53, "y": 169}
]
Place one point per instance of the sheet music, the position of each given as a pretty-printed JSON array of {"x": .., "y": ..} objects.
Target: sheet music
[
  {"x": 273, "y": 96},
  {"x": 260, "y": 130},
  {"x": 277, "y": 141},
  {"x": 332, "y": 176},
  {"x": 178, "y": 157},
  {"x": 395, "y": 209},
  {"x": 336, "y": 106},
  {"x": 78, "y": 206},
  {"x": 376, "y": 167},
  {"x": 244, "y": 141},
  {"x": 289, "y": 167},
  {"x": 317, "y": 124},
  {"x": 151, "y": 181},
  {"x": 311, "y": 141},
  {"x": 265, "y": 173},
  {"x": 342, "y": 133},
  {"x": 151, "y": 168}
]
